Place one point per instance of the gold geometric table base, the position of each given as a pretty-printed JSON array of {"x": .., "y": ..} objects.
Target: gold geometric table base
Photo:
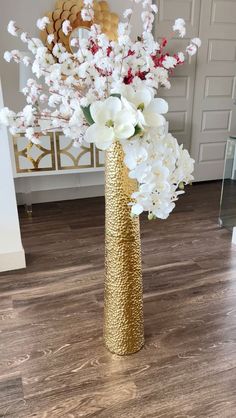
[
  {"x": 123, "y": 298},
  {"x": 54, "y": 153},
  {"x": 30, "y": 157}
]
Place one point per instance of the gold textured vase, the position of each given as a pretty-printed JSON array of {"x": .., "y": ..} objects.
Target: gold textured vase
[{"x": 123, "y": 299}]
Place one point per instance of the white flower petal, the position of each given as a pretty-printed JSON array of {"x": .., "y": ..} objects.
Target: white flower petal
[
  {"x": 154, "y": 120},
  {"x": 125, "y": 118},
  {"x": 96, "y": 111},
  {"x": 197, "y": 42},
  {"x": 135, "y": 155},
  {"x": 124, "y": 131},
  {"x": 42, "y": 23},
  {"x": 142, "y": 97},
  {"x": 8, "y": 56},
  {"x": 102, "y": 112},
  {"x": 158, "y": 106},
  {"x": 127, "y": 91},
  {"x": 101, "y": 136},
  {"x": 12, "y": 28},
  {"x": 191, "y": 49},
  {"x": 137, "y": 209},
  {"x": 111, "y": 107}
]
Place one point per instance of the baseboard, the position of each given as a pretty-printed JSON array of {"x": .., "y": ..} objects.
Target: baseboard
[
  {"x": 12, "y": 260},
  {"x": 56, "y": 195}
]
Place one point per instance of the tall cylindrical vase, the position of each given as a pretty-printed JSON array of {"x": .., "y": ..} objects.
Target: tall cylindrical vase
[{"x": 123, "y": 299}]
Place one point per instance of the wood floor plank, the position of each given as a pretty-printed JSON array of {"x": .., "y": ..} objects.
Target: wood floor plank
[{"x": 53, "y": 363}]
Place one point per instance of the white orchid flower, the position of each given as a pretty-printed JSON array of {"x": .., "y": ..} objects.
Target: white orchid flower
[
  {"x": 149, "y": 109},
  {"x": 143, "y": 199},
  {"x": 111, "y": 122},
  {"x": 135, "y": 154},
  {"x": 141, "y": 173},
  {"x": 162, "y": 205},
  {"x": 160, "y": 172}
]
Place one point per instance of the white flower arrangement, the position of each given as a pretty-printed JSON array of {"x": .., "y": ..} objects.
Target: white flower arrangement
[{"x": 106, "y": 91}]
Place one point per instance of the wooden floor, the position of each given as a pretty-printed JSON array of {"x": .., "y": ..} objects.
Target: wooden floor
[{"x": 52, "y": 360}]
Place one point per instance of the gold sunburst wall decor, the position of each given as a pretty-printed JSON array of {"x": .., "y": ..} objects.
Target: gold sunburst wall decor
[{"x": 71, "y": 10}]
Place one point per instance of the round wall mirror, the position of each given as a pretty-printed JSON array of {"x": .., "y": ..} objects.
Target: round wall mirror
[
  {"x": 71, "y": 10},
  {"x": 79, "y": 33}
]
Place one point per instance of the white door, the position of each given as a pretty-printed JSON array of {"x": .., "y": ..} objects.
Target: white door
[
  {"x": 180, "y": 96},
  {"x": 214, "y": 115}
]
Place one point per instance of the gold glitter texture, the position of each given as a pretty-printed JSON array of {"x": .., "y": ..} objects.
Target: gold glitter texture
[{"x": 123, "y": 327}]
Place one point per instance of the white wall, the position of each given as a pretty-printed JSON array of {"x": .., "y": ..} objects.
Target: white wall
[{"x": 11, "y": 251}]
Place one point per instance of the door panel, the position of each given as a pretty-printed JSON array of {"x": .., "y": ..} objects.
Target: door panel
[{"x": 214, "y": 115}]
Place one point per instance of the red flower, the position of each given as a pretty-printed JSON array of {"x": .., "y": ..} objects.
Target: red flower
[
  {"x": 164, "y": 42},
  {"x": 163, "y": 45},
  {"x": 109, "y": 50},
  {"x": 130, "y": 53},
  {"x": 94, "y": 48},
  {"x": 158, "y": 60},
  {"x": 128, "y": 79},
  {"x": 178, "y": 60},
  {"x": 141, "y": 75}
]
